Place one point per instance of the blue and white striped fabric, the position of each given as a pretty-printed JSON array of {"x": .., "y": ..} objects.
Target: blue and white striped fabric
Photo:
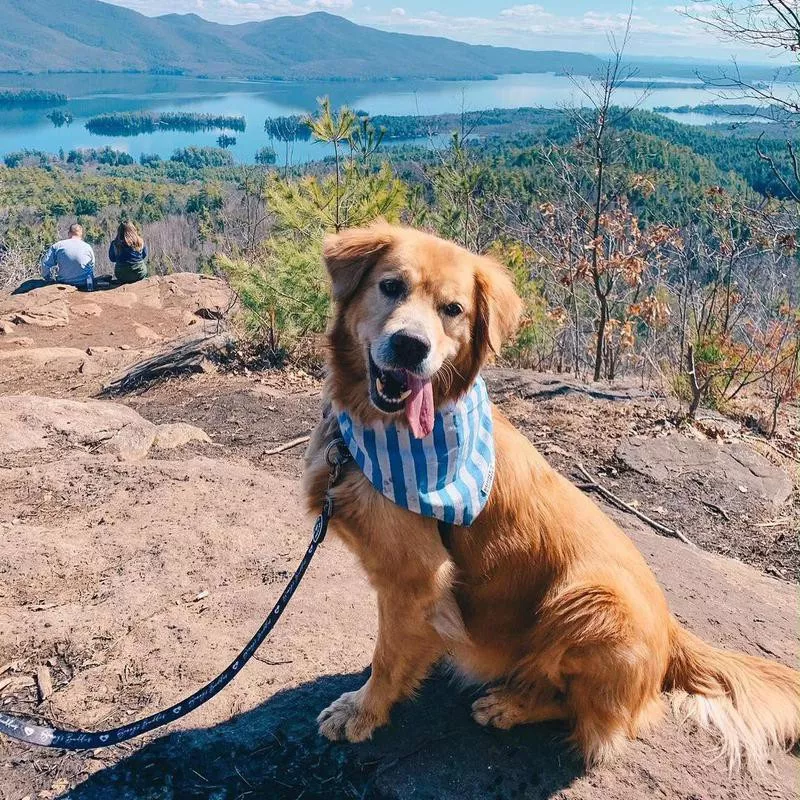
[{"x": 447, "y": 475}]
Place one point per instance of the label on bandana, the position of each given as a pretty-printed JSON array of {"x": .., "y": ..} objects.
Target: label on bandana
[{"x": 446, "y": 475}]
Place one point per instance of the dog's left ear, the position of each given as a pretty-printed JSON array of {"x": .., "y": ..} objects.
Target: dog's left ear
[
  {"x": 349, "y": 255},
  {"x": 498, "y": 309}
]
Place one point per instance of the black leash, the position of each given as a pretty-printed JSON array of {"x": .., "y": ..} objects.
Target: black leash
[{"x": 26, "y": 730}]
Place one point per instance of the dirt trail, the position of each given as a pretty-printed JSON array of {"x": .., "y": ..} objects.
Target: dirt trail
[{"x": 107, "y": 552}]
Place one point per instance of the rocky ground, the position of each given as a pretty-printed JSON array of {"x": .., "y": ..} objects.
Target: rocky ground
[{"x": 144, "y": 537}]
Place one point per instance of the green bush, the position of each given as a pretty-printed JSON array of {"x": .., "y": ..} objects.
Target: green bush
[
  {"x": 265, "y": 156},
  {"x": 209, "y": 198},
  {"x": 86, "y": 206},
  {"x": 198, "y": 157},
  {"x": 284, "y": 289}
]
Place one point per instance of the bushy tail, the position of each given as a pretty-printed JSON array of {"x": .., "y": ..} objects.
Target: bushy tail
[{"x": 753, "y": 704}]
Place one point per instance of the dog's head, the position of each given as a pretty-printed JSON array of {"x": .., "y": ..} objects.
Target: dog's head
[{"x": 416, "y": 319}]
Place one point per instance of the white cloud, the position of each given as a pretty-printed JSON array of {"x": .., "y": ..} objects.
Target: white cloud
[
  {"x": 330, "y": 5},
  {"x": 692, "y": 8},
  {"x": 235, "y": 4},
  {"x": 532, "y": 26},
  {"x": 398, "y": 12},
  {"x": 525, "y": 12}
]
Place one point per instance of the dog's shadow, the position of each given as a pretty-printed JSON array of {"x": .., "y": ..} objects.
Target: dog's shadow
[{"x": 431, "y": 749}]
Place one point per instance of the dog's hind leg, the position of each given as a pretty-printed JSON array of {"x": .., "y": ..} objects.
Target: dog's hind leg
[{"x": 607, "y": 658}]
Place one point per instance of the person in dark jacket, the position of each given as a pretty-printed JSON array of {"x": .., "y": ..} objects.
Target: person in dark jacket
[{"x": 128, "y": 253}]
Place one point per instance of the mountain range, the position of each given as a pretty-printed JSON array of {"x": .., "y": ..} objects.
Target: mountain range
[{"x": 88, "y": 36}]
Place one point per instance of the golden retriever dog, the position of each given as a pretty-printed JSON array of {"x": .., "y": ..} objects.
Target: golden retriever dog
[{"x": 543, "y": 598}]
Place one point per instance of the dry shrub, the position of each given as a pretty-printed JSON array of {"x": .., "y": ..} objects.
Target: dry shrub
[
  {"x": 174, "y": 246},
  {"x": 16, "y": 267}
]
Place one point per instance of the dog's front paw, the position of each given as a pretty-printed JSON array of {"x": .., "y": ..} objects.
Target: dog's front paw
[{"x": 346, "y": 718}]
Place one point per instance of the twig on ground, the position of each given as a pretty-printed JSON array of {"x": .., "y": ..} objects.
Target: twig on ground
[
  {"x": 242, "y": 776},
  {"x": 779, "y": 450},
  {"x": 287, "y": 446},
  {"x": 773, "y": 523},
  {"x": 718, "y": 509},
  {"x": 271, "y": 663},
  {"x": 609, "y": 495}
]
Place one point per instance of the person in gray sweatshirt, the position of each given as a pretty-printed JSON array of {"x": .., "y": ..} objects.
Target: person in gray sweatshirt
[{"x": 70, "y": 261}]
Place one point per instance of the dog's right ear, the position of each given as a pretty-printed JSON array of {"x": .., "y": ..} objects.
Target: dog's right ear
[{"x": 349, "y": 255}]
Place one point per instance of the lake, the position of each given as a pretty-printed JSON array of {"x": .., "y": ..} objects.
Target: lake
[{"x": 95, "y": 94}]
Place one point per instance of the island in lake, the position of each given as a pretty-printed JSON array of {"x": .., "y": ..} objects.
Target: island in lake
[
  {"x": 133, "y": 123},
  {"x": 30, "y": 98}
]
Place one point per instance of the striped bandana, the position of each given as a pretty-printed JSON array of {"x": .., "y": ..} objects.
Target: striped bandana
[{"x": 446, "y": 475}]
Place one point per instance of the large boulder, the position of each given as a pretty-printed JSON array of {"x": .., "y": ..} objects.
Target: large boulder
[
  {"x": 202, "y": 296},
  {"x": 29, "y": 423},
  {"x": 65, "y": 359},
  {"x": 47, "y": 307},
  {"x": 719, "y": 467}
]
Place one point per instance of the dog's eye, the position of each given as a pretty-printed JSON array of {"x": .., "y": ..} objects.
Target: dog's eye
[
  {"x": 453, "y": 310},
  {"x": 392, "y": 287}
]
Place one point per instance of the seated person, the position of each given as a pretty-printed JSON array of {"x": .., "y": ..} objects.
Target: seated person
[
  {"x": 70, "y": 261},
  {"x": 128, "y": 253}
]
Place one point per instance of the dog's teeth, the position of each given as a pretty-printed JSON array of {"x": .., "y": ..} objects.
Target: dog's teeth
[
  {"x": 379, "y": 386},
  {"x": 405, "y": 395}
]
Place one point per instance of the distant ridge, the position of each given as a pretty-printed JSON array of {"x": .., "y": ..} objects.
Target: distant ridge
[{"x": 88, "y": 35}]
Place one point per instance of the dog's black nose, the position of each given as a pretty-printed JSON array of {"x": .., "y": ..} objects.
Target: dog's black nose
[{"x": 409, "y": 350}]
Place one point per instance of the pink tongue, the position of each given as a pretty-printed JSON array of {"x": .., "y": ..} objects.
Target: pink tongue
[{"x": 419, "y": 406}]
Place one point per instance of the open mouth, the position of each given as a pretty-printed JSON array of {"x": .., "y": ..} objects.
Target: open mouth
[
  {"x": 388, "y": 388},
  {"x": 394, "y": 390}
]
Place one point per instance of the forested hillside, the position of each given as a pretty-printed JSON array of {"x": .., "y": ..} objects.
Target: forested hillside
[{"x": 87, "y": 35}]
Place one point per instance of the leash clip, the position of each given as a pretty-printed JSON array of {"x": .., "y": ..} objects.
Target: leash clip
[{"x": 336, "y": 456}]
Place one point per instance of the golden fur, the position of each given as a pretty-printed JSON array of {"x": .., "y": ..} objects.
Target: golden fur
[{"x": 543, "y": 597}]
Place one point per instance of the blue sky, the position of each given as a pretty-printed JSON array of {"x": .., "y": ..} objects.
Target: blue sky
[{"x": 657, "y": 28}]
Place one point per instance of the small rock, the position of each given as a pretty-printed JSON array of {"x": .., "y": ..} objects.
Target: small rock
[
  {"x": 210, "y": 313},
  {"x": 177, "y": 434},
  {"x": 148, "y": 334},
  {"x": 87, "y": 310},
  {"x": 44, "y": 683},
  {"x": 133, "y": 442},
  {"x": 90, "y": 367}
]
